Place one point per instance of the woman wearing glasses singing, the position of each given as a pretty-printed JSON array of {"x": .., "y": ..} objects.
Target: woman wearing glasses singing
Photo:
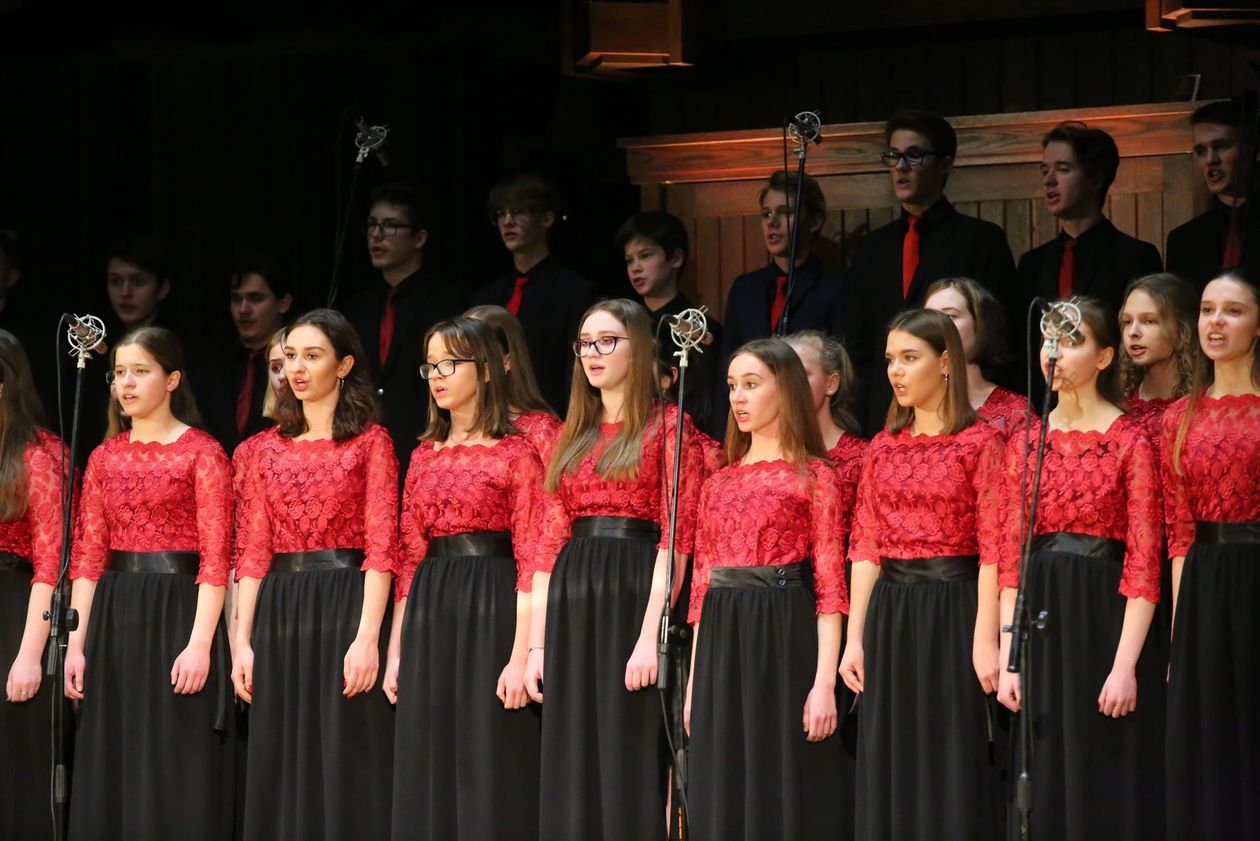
[
  {"x": 466, "y": 743},
  {"x": 596, "y": 612}
]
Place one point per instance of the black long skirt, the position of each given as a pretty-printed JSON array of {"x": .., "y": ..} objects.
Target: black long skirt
[
  {"x": 1093, "y": 777},
  {"x": 603, "y": 758},
  {"x": 319, "y": 763},
  {"x": 150, "y": 763},
  {"x": 924, "y": 767},
  {"x": 464, "y": 767},
  {"x": 25, "y": 727},
  {"x": 1214, "y": 696},
  {"x": 753, "y": 774}
]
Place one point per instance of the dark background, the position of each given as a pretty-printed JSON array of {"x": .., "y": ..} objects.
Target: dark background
[{"x": 226, "y": 131}]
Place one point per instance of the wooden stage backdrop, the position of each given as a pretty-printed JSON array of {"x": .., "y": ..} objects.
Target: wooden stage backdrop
[{"x": 710, "y": 181}]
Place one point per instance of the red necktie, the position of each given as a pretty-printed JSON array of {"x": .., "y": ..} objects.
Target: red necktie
[
  {"x": 245, "y": 397},
  {"x": 909, "y": 255},
  {"x": 780, "y": 300},
  {"x": 514, "y": 303},
  {"x": 387, "y": 322},
  {"x": 1233, "y": 243},
  {"x": 1067, "y": 268}
]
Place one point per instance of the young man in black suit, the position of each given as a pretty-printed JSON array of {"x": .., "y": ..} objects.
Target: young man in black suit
[
  {"x": 548, "y": 298},
  {"x": 758, "y": 301},
  {"x": 1227, "y": 234},
  {"x": 393, "y": 314},
  {"x": 894, "y": 265}
]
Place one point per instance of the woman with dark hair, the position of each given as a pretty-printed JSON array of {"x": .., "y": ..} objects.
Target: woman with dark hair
[
  {"x": 923, "y": 639},
  {"x": 832, "y": 382},
  {"x": 1157, "y": 326},
  {"x": 596, "y": 613},
  {"x": 531, "y": 414},
  {"x": 315, "y": 555},
  {"x": 465, "y": 761},
  {"x": 981, "y": 324},
  {"x": 761, "y": 703},
  {"x": 1211, "y": 458},
  {"x": 149, "y": 660},
  {"x": 31, "y": 463},
  {"x": 1098, "y": 704}
]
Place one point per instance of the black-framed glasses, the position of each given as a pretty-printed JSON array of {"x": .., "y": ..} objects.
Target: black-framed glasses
[
  {"x": 387, "y": 227},
  {"x": 499, "y": 213},
  {"x": 441, "y": 368},
  {"x": 603, "y": 346},
  {"x": 913, "y": 157}
]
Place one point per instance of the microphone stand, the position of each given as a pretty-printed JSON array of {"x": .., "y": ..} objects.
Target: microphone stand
[
  {"x": 63, "y": 619},
  {"x": 804, "y": 129},
  {"x": 366, "y": 143}
]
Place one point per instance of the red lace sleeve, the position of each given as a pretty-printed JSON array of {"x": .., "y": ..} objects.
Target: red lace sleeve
[
  {"x": 829, "y": 530},
  {"x": 551, "y": 525},
  {"x": 242, "y": 467},
  {"x": 990, "y": 506},
  {"x": 1177, "y": 516},
  {"x": 380, "y": 506},
  {"x": 864, "y": 540},
  {"x": 43, "y": 508},
  {"x": 1144, "y": 534},
  {"x": 1012, "y": 514},
  {"x": 701, "y": 561},
  {"x": 212, "y": 489},
  {"x": 413, "y": 530},
  {"x": 691, "y": 476},
  {"x": 253, "y": 537},
  {"x": 527, "y": 479},
  {"x": 91, "y": 544}
]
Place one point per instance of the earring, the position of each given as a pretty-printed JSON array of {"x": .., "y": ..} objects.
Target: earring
[
  {"x": 341, "y": 381},
  {"x": 947, "y": 376}
]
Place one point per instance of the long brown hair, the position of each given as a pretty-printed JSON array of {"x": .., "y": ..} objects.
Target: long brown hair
[
  {"x": 1205, "y": 373},
  {"x": 1105, "y": 326},
  {"x": 1176, "y": 304},
  {"x": 938, "y": 330},
  {"x": 168, "y": 353},
  {"x": 988, "y": 316},
  {"x": 20, "y": 414},
  {"x": 799, "y": 436},
  {"x": 835, "y": 360},
  {"x": 620, "y": 461},
  {"x": 356, "y": 402},
  {"x": 472, "y": 339},
  {"x": 524, "y": 394}
]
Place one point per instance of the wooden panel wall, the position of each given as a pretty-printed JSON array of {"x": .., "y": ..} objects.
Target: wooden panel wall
[{"x": 711, "y": 182}]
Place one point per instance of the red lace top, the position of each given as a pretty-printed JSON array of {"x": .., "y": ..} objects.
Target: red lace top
[
  {"x": 1151, "y": 414},
  {"x": 1220, "y": 461},
  {"x": 712, "y": 454},
  {"x": 541, "y": 429},
  {"x": 1104, "y": 484},
  {"x": 456, "y": 490},
  {"x": 36, "y": 535},
  {"x": 1004, "y": 410},
  {"x": 302, "y": 496},
  {"x": 847, "y": 456},
  {"x": 151, "y": 497},
  {"x": 584, "y": 493},
  {"x": 928, "y": 496},
  {"x": 769, "y": 513}
]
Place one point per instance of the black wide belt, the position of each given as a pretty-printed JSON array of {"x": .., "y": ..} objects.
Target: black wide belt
[
  {"x": 1227, "y": 532},
  {"x": 1088, "y": 545},
  {"x": 783, "y": 575},
  {"x": 629, "y": 527},
  {"x": 11, "y": 560},
  {"x": 169, "y": 563},
  {"x": 317, "y": 560},
  {"x": 480, "y": 544},
  {"x": 930, "y": 570}
]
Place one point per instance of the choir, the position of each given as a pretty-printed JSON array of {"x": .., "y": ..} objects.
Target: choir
[{"x": 411, "y": 586}]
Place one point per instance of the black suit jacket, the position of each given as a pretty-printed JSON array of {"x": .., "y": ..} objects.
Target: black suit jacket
[
  {"x": 216, "y": 383},
  {"x": 1196, "y": 249},
  {"x": 817, "y": 302},
  {"x": 951, "y": 244},
  {"x": 702, "y": 368},
  {"x": 422, "y": 300},
  {"x": 552, "y": 306}
]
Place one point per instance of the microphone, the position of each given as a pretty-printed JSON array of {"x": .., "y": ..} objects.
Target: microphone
[
  {"x": 371, "y": 139},
  {"x": 1059, "y": 320},
  {"x": 689, "y": 329},
  {"x": 86, "y": 334},
  {"x": 805, "y": 127}
]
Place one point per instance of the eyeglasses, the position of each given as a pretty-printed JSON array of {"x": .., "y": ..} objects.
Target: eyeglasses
[
  {"x": 501, "y": 213},
  {"x": 602, "y": 346},
  {"x": 387, "y": 227},
  {"x": 913, "y": 157},
  {"x": 442, "y": 368},
  {"x": 777, "y": 213}
]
